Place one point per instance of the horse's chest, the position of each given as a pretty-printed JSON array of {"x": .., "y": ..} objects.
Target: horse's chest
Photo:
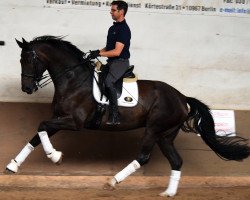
[{"x": 63, "y": 106}]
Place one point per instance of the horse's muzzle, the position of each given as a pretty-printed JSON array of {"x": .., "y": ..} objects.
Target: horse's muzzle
[{"x": 29, "y": 90}]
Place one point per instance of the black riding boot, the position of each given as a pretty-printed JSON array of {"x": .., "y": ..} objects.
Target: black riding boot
[{"x": 113, "y": 118}]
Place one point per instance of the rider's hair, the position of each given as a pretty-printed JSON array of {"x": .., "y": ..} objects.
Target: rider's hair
[{"x": 121, "y": 5}]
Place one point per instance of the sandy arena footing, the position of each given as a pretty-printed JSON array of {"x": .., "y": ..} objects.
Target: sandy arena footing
[{"x": 140, "y": 182}]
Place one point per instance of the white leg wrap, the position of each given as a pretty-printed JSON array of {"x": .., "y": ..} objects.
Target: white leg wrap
[
  {"x": 131, "y": 168},
  {"x": 173, "y": 184},
  {"x": 47, "y": 146},
  {"x": 20, "y": 158}
]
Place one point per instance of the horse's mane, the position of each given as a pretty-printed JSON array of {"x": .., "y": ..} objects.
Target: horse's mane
[{"x": 58, "y": 42}]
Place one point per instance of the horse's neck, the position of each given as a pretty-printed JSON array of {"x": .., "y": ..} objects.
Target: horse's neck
[
  {"x": 73, "y": 79},
  {"x": 69, "y": 75},
  {"x": 58, "y": 63}
]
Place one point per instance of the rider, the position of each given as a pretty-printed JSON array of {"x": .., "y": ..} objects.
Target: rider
[{"x": 117, "y": 51}]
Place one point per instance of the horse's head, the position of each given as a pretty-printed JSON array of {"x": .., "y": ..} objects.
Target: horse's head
[{"x": 32, "y": 69}]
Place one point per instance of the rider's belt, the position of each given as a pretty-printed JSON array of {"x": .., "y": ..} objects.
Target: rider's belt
[{"x": 113, "y": 59}]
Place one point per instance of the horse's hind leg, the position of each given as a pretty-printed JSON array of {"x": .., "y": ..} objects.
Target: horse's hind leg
[
  {"x": 167, "y": 148},
  {"x": 45, "y": 130},
  {"x": 147, "y": 145}
]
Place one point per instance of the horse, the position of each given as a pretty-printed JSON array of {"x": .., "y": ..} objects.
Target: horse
[{"x": 162, "y": 110}]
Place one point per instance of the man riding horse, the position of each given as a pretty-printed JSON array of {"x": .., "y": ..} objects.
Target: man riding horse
[{"x": 117, "y": 51}]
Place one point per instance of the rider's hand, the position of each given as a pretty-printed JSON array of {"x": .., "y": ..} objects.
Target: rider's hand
[{"x": 93, "y": 54}]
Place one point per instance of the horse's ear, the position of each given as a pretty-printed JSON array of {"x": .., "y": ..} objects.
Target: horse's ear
[
  {"x": 20, "y": 44},
  {"x": 24, "y": 41},
  {"x": 23, "y": 44}
]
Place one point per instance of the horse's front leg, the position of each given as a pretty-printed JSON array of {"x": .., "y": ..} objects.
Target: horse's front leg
[{"x": 45, "y": 131}]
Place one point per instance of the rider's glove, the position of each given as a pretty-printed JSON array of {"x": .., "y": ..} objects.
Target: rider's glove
[{"x": 93, "y": 54}]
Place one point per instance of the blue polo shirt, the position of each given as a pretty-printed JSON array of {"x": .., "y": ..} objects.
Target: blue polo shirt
[{"x": 119, "y": 32}]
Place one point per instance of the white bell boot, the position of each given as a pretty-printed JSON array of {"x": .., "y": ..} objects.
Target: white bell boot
[
  {"x": 55, "y": 156},
  {"x": 12, "y": 167},
  {"x": 52, "y": 154}
]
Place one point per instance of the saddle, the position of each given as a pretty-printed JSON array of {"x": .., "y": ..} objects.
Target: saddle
[
  {"x": 128, "y": 76},
  {"x": 126, "y": 88}
]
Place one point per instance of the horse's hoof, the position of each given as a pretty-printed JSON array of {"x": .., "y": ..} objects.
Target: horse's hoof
[
  {"x": 60, "y": 160},
  {"x": 166, "y": 194},
  {"x": 109, "y": 187},
  {"x": 8, "y": 171}
]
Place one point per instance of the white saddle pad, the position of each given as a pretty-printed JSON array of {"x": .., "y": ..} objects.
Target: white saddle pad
[{"x": 128, "y": 98}]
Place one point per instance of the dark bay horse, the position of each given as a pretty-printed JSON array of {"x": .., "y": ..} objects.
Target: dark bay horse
[{"x": 162, "y": 110}]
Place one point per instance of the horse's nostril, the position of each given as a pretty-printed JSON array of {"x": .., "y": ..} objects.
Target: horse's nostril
[{"x": 27, "y": 89}]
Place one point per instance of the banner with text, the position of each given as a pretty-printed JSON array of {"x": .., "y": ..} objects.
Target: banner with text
[
  {"x": 224, "y": 121},
  {"x": 194, "y": 7}
]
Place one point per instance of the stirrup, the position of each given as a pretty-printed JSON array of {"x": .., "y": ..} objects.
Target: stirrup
[
  {"x": 114, "y": 120},
  {"x": 113, "y": 123}
]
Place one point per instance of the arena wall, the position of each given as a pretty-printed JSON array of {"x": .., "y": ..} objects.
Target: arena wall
[{"x": 203, "y": 53}]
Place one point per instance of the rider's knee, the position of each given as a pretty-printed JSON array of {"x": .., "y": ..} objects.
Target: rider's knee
[{"x": 109, "y": 84}]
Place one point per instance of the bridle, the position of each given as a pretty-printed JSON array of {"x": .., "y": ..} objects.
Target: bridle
[
  {"x": 35, "y": 75},
  {"x": 37, "y": 79}
]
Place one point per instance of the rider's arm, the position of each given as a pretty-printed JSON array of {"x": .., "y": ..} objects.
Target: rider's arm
[{"x": 114, "y": 52}]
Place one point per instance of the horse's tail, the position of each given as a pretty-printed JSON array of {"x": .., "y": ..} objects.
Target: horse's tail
[{"x": 201, "y": 122}]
